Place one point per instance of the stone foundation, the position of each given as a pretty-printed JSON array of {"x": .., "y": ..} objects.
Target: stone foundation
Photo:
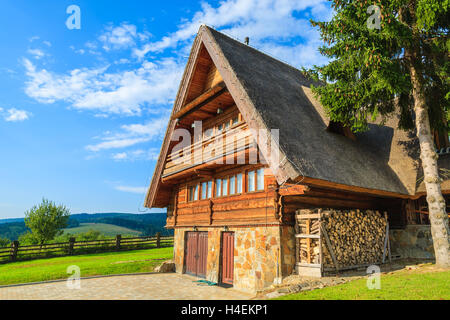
[
  {"x": 414, "y": 242},
  {"x": 262, "y": 255}
]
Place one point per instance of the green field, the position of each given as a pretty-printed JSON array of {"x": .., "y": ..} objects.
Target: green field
[
  {"x": 109, "y": 230},
  {"x": 90, "y": 265},
  {"x": 402, "y": 285}
]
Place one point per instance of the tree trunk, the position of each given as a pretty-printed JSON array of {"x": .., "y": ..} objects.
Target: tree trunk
[{"x": 436, "y": 203}]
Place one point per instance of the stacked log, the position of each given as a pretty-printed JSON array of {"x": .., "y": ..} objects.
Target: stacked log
[
  {"x": 355, "y": 237},
  {"x": 308, "y": 248}
]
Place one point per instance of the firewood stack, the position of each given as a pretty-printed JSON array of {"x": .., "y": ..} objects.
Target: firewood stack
[
  {"x": 308, "y": 224},
  {"x": 355, "y": 237}
]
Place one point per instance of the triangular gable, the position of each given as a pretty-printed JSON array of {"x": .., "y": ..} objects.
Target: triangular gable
[{"x": 198, "y": 77}]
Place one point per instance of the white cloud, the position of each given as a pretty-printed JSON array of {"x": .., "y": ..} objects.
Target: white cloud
[
  {"x": 37, "y": 53},
  {"x": 120, "y": 156},
  {"x": 122, "y": 92},
  {"x": 127, "y": 87},
  {"x": 137, "y": 190},
  {"x": 137, "y": 155},
  {"x": 261, "y": 20},
  {"x": 119, "y": 37},
  {"x": 122, "y": 37},
  {"x": 15, "y": 115},
  {"x": 131, "y": 135}
]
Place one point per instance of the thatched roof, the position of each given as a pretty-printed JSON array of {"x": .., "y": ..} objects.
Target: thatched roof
[
  {"x": 271, "y": 94},
  {"x": 444, "y": 172},
  {"x": 282, "y": 98}
]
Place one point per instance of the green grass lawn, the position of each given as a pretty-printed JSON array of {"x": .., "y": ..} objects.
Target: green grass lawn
[
  {"x": 402, "y": 285},
  {"x": 90, "y": 265},
  {"x": 109, "y": 230}
]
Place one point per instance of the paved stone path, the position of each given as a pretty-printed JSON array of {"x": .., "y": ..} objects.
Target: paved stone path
[{"x": 134, "y": 287}]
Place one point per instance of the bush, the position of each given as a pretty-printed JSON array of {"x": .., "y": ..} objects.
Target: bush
[
  {"x": 4, "y": 243},
  {"x": 28, "y": 239}
]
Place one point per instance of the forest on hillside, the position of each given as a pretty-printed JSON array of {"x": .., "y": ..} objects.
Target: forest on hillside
[{"x": 147, "y": 224}]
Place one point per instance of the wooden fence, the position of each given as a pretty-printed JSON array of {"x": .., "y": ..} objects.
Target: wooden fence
[{"x": 16, "y": 252}]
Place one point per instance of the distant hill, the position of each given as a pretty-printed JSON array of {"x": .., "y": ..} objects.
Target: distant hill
[
  {"x": 143, "y": 224},
  {"x": 109, "y": 230},
  {"x": 11, "y": 220}
]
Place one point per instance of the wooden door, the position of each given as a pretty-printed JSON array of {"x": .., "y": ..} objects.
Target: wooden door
[
  {"x": 227, "y": 257},
  {"x": 196, "y": 253}
]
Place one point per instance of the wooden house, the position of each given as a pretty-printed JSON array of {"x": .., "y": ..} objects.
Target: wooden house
[{"x": 247, "y": 146}]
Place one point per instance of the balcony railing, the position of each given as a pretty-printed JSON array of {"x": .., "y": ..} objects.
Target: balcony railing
[{"x": 211, "y": 150}]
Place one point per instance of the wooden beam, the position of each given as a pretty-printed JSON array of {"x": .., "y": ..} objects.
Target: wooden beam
[
  {"x": 334, "y": 203},
  {"x": 288, "y": 190},
  {"x": 203, "y": 173},
  {"x": 342, "y": 187},
  {"x": 202, "y": 100}
]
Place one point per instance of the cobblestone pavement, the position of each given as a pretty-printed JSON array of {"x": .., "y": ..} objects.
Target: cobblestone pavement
[{"x": 134, "y": 287}]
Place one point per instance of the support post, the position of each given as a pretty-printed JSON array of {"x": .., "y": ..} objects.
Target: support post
[
  {"x": 14, "y": 249},
  {"x": 118, "y": 238},
  {"x": 387, "y": 243},
  {"x": 329, "y": 247},
  {"x": 71, "y": 245},
  {"x": 158, "y": 239}
]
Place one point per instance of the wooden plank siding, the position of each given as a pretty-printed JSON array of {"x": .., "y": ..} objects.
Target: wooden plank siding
[{"x": 258, "y": 207}]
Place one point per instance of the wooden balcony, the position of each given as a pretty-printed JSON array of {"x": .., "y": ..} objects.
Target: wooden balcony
[{"x": 211, "y": 151}]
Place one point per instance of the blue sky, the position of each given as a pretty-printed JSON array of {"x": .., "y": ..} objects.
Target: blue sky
[{"x": 83, "y": 112}]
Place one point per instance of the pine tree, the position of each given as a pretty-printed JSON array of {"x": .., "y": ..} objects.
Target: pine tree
[{"x": 389, "y": 56}]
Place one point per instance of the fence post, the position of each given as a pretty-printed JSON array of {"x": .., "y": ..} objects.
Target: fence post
[
  {"x": 158, "y": 239},
  {"x": 118, "y": 238},
  {"x": 71, "y": 245},
  {"x": 14, "y": 249}
]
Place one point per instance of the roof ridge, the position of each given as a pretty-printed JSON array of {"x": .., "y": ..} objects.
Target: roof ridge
[{"x": 271, "y": 56}]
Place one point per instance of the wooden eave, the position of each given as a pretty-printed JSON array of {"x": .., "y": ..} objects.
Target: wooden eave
[{"x": 207, "y": 97}]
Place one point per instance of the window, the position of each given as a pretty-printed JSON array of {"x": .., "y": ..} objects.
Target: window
[
  {"x": 235, "y": 120},
  {"x": 239, "y": 182},
  {"x": 255, "y": 180},
  {"x": 232, "y": 185},
  {"x": 218, "y": 187},
  {"x": 251, "y": 181},
  {"x": 208, "y": 133},
  {"x": 209, "y": 189},
  {"x": 224, "y": 187},
  {"x": 193, "y": 193},
  {"x": 236, "y": 184},
  {"x": 260, "y": 179},
  {"x": 219, "y": 129},
  {"x": 196, "y": 193},
  {"x": 204, "y": 190}
]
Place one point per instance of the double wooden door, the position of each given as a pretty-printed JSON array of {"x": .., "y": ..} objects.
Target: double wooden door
[
  {"x": 227, "y": 257},
  {"x": 196, "y": 253}
]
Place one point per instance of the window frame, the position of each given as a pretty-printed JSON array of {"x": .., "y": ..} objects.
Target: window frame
[
  {"x": 194, "y": 192},
  {"x": 255, "y": 180}
]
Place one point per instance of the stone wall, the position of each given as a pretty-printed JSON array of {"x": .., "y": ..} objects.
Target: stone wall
[
  {"x": 414, "y": 241},
  {"x": 260, "y": 257},
  {"x": 287, "y": 250}
]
